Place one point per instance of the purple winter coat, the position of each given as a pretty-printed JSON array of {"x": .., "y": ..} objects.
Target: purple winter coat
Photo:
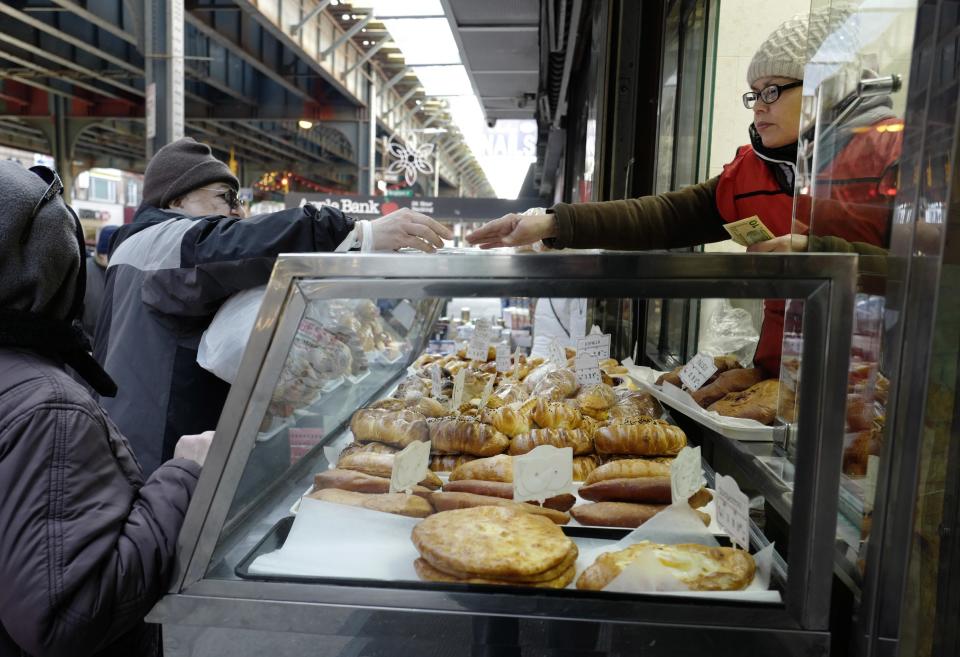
[{"x": 86, "y": 546}]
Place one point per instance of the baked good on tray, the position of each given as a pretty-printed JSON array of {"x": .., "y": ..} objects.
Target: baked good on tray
[
  {"x": 629, "y": 468},
  {"x": 758, "y": 402},
  {"x": 696, "y": 567},
  {"x": 465, "y": 436},
  {"x": 397, "y": 503},
  {"x": 647, "y": 490},
  {"x": 380, "y": 465},
  {"x": 504, "y": 491},
  {"x": 723, "y": 363},
  {"x": 449, "y": 500},
  {"x": 396, "y": 428},
  {"x": 492, "y": 468},
  {"x": 575, "y": 438},
  {"x": 584, "y": 465},
  {"x": 640, "y": 436},
  {"x": 357, "y": 482},
  {"x": 448, "y": 462},
  {"x": 735, "y": 380}
]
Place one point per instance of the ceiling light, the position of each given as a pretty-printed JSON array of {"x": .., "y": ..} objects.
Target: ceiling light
[
  {"x": 305, "y": 124},
  {"x": 366, "y": 43},
  {"x": 346, "y": 17},
  {"x": 395, "y": 55}
]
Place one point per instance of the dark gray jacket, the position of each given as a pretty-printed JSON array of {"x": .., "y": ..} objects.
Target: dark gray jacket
[
  {"x": 168, "y": 275},
  {"x": 86, "y": 546}
]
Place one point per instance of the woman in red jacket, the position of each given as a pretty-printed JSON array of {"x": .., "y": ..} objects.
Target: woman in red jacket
[{"x": 758, "y": 182}]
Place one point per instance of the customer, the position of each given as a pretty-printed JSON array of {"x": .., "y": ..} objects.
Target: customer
[
  {"x": 96, "y": 280},
  {"x": 759, "y": 181},
  {"x": 86, "y": 545},
  {"x": 185, "y": 253}
]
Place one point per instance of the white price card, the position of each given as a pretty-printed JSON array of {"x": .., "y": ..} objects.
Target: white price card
[
  {"x": 436, "y": 381},
  {"x": 503, "y": 357},
  {"x": 487, "y": 390},
  {"x": 515, "y": 372},
  {"x": 405, "y": 314},
  {"x": 587, "y": 369},
  {"x": 557, "y": 354},
  {"x": 870, "y": 483},
  {"x": 733, "y": 511},
  {"x": 545, "y": 471},
  {"x": 597, "y": 345},
  {"x": 685, "y": 477},
  {"x": 457, "y": 397},
  {"x": 578, "y": 318},
  {"x": 477, "y": 347},
  {"x": 483, "y": 329},
  {"x": 695, "y": 373},
  {"x": 410, "y": 466}
]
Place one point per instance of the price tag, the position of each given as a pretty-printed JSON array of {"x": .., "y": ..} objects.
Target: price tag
[
  {"x": 405, "y": 314},
  {"x": 515, "y": 372},
  {"x": 487, "y": 390},
  {"x": 457, "y": 398},
  {"x": 557, "y": 354},
  {"x": 544, "y": 472},
  {"x": 409, "y": 466},
  {"x": 503, "y": 357},
  {"x": 695, "y": 373},
  {"x": 594, "y": 345},
  {"x": 685, "y": 474},
  {"x": 310, "y": 329},
  {"x": 484, "y": 330},
  {"x": 578, "y": 318},
  {"x": 733, "y": 514},
  {"x": 587, "y": 370},
  {"x": 870, "y": 483},
  {"x": 477, "y": 347},
  {"x": 436, "y": 381}
]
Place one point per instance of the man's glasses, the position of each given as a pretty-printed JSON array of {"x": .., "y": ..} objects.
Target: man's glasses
[
  {"x": 54, "y": 187},
  {"x": 769, "y": 94},
  {"x": 229, "y": 196}
]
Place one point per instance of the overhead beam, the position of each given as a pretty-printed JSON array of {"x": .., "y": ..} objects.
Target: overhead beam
[
  {"x": 373, "y": 50},
  {"x": 91, "y": 17},
  {"x": 395, "y": 79},
  {"x": 39, "y": 85},
  {"x": 77, "y": 83},
  {"x": 294, "y": 29},
  {"x": 343, "y": 38},
  {"x": 403, "y": 100}
]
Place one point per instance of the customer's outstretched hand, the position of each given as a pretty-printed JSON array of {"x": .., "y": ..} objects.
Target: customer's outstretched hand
[
  {"x": 406, "y": 228},
  {"x": 194, "y": 447}
]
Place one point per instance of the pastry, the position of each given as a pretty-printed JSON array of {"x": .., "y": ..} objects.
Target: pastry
[
  {"x": 512, "y": 419},
  {"x": 722, "y": 363},
  {"x": 449, "y": 500},
  {"x": 860, "y": 413},
  {"x": 448, "y": 462},
  {"x": 397, "y": 503},
  {"x": 428, "y": 573},
  {"x": 492, "y": 542},
  {"x": 641, "y": 437},
  {"x": 429, "y": 407},
  {"x": 697, "y": 567},
  {"x": 508, "y": 393},
  {"x": 504, "y": 491},
  {"x": 575, "y": 438},
  {"x": 758, "y": 402},
  {"x": 493, "y": 468},
  {"x": 634, "y": 404},
  {"x": 396, "y": 428},
  {"x": 372, "y": 448},
  {"x": 627, "y": 468},
  {"x": 557, "y": 385},
  {"x": 389, "y": 404},
  {"x": 615, "y": 514},
  {"x": 380, "y": 465},
  {"x": 598, "y": 397},
  {"x": 648, "y": 490},
  {"x": 584, "y": 465},
  {"x": 855, "y": 457},
  {"x": 357, "y": 482},
  {"x": 734, "y": 380},
  {"x": 465, "y": 436},
  {"x": 555, "y": 415}
]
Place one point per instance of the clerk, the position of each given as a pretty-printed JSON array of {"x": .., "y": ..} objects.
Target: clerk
[{"x": 759, "y": 181}]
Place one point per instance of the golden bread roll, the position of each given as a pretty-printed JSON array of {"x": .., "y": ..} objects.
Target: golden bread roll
[
  {"x": 568, "y": 562},
  {"x": 635, "y": 404},
  {"x": 504, "y": 491},
  {"x": 380, "y": 465},
  {"x": 758, "y": 402},
  {"x": 400, "y": 504},
  {"x": 555, "y": 415},
  {"x": 614, "y": 514},
  {"x": 640, "y": 437},
  {"x": 511, "y": 420},
  {"x": 493, "y": 468},
  {"x": 595, "y": 414},
  {"x": 428, "y": 573},
  {"x": 449, "y": 500},
  {"x": 626, "y": 468},
  {"x": 464, "y": 436},
  {"x": 597, "y": 397},
  {"x": 557, "y": 385},
  {"x": 491, "y": 542},
  {"x": 448, "y": 462},
  {"x": 698, "y": 567},
  {"x": 608, "y": 363},
  {"x": 370, "y": 448},
  {"x": 396, "y": 428},
  {"x": 429, "y": 407},
  {"x": 584, "y": 465},
  {"x": 575, "y": 438},
  {"x": 700, "y": 499},
  {"x": 454, "y": 366},
  {"x": 735, "y": 380},
  {"x": 589, "y": 426},
  {"x": 647, "y": 490},
  {"x": 357, "y": 482}
]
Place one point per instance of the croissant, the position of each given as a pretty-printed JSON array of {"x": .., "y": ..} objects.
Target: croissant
[
  {"x": 556, "y": 415},
  {"x": 578, "y": 440},
  {"x": 598, "y": 397},
  {"x": 380, "y": 465},
  {"x": 556, "y": 385},
  {"x": 493, "y": 468},
  {"x": 640, "y": 436},
  {"x": 396, "y": 428},
  {"x": 464, "y": 436},
  {"x": 627, "y": 468},
  {"x": 584, "y": 465},
  {"x": 448, "y": 462}
]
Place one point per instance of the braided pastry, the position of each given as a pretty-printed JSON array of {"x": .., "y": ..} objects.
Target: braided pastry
[
  {"x": 640, "y": 436},
  {"x": 584, "y": 465},
  {"x": 511, "y": 420},
  {"x": 448, "y": 462},
  {"x": 556, "y": 415},
  {"x": 396, "y": 428},
  {"x": 575, "y": 438},
  {"x": 465, "y": 436}
]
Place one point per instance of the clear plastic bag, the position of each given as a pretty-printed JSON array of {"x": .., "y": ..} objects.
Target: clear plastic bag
[
  {"x": 223, "y": 343},
  {"x": 730, "y": 331}
]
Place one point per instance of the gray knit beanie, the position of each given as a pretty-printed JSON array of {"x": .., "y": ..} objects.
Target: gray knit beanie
[
  {"x": 181, "y": 167},
  {"x": 787, "y": 50},
  {"x": 39, "y": 259}
]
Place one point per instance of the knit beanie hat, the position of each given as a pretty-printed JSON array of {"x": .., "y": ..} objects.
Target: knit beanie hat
[
  {"x": 39, "y": 258},
  {"x": 181, "y": 167},
  {"x": 787, "y": 50}
]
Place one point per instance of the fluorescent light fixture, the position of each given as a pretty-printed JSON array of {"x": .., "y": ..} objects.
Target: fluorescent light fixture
[
  {"x": 424, "y": 41},
  {"x": 444, "y": 80}
]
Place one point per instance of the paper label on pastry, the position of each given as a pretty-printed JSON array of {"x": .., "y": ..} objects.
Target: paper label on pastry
[
  {"x": 733, "y": 511},
  {"x": 409, "y": 466},
  {"x": 685, "y": 478},
  {"x": 458, "y": 382},
  {"x": 578, "y": 318},
  {"x": 587, "y": 369},
  {"x": 543, "y": 472},
  {"x": 695, "y": 373},
  {"x": 487, "y": 390},
  {"x": 436, "y": 381},
  {"x": 557, "y": 355},
  {"x": 748, "y": 231},
  {"x": 597, "y": 345},
  {"x": 503, "y": 357},
  {"x": 405, "y": 314}
]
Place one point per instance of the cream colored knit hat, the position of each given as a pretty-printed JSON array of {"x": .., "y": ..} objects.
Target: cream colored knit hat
[{"x": 787, "y": 50}]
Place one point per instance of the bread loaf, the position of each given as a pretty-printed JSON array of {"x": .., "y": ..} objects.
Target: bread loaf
[
  {"x": 555, "y": 415},
  {"x": 635, "y": 404},
  {"x": 513, "y": 419},
  {"x": 504, "y": 491},
  {"x": 641, "y": 437},
  {"x": 397, "y": 503},
  {"x": 448, "y": 462},
  {"x": 598, "y": 397},
  {"x": 557, "y": 385},
  {"x": 615, "y": 514},
  {"x": 371, "y": 448},
  {"x": 463, "y": 436},
  {"x": 429, "y": 407},
  {"x": 648, "y": 490},
  {"x": 396, "y": 428},
  {"x": 357, "y": 482},
  {"x": 584, "y": 465},
  {"x": 493, "y": 468},
  {"x": 627, "y": 468},
  {"x": 758, "y": 402},
  {"x": 722, "y": 363},
  {"x": 734, "y": 380},
  {"x": 574, "y": 438},
  {"x": 380, "y": 465},
  {"x": 508, "y": 393},
  {"x": 447, "y": 501}
]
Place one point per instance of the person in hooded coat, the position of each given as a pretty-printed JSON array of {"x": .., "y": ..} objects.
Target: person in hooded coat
[{"x": 86, "y": 544}]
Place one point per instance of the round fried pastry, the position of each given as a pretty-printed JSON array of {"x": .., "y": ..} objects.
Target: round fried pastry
[{"x": 430, "y": 574}]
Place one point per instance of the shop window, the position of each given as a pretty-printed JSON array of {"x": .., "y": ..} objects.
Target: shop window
[{"x": 102, "y": 189}]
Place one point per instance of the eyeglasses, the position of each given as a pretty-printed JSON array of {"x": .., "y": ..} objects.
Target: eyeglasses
[
  {"x": 769, "y": 94},
  {"x": 229, "y": 197},
  {"x": 54, "y": 187}
]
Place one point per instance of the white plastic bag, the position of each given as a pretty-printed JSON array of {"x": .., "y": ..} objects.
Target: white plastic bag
[
  {"x": 224, "y": 341},
  {"x": 730, "y": 331}
]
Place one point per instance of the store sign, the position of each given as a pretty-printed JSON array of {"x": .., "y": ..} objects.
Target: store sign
[{"x": 441, "y": 208}]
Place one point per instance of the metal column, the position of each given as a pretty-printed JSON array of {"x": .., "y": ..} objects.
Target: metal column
[
  {"x": 164, "y": 73},
  {"x": 372, "y": 136}
]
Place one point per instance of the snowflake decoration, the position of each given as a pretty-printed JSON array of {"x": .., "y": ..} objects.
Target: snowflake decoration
[{"x": 411, "y": 159}]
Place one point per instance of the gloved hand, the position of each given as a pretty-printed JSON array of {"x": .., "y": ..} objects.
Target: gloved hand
[
  {"x": 194, "y": 447},
  {"x": 406, "y": 228}
]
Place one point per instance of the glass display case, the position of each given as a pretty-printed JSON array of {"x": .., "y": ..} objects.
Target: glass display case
[{"x": 339, "y": 333}]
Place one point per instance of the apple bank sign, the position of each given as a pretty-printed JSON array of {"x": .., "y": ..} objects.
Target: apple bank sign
[{"x": 441, "y": 208}]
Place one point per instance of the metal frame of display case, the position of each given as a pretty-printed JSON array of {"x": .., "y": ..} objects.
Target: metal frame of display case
[{"x": 801, "y": 625}]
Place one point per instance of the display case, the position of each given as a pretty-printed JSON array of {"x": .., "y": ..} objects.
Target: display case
[{"x": 297, "y": 379}]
